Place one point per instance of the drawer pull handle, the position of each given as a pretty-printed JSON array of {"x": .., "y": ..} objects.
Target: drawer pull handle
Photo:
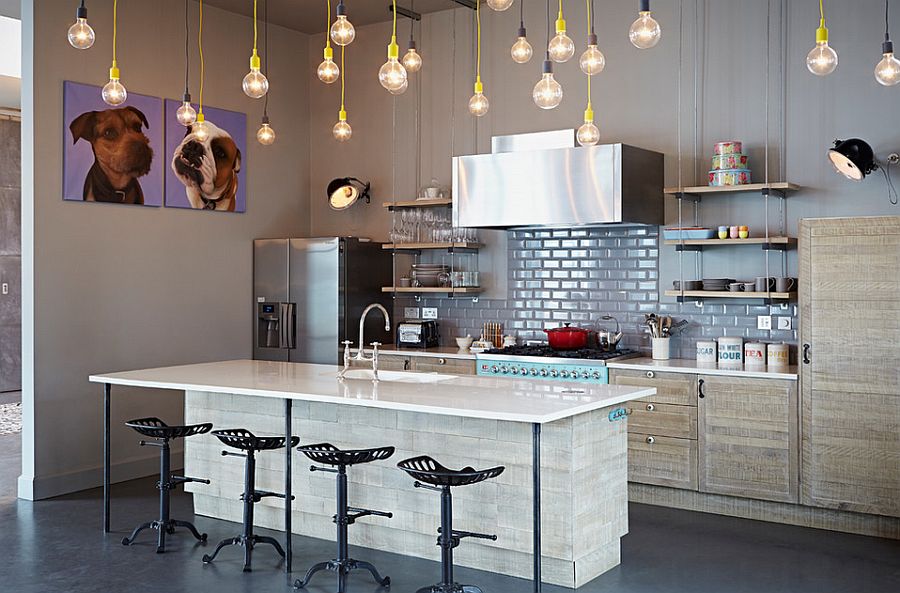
[
  {"x": 650, "y": 407},
  {"x": 700, "y": 393},
  {"x": 650, "y": 440},
  {"x": 442, "y": 361},
  {"x": 650, "y": 374}
]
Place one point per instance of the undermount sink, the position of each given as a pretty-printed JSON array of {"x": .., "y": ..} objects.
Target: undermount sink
[{"x": 396, "y": 376}]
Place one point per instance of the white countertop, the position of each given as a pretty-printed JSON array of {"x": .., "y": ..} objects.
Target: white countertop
[
  {"x": 472, "y": 397},
  {"x": 680, "y": 365},
  {"x": 434, "y": 352}
]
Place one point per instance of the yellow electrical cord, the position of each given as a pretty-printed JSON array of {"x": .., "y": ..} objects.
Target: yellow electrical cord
[
  {"x": 328, "y": 24},
  {"x": 202, "y": 65},
  {"x": 115, "y": 27},
  {"x": 478, "y": 43},
  {"x": 394, "y": 30},
  {"x": 343, "y": 73},
  {"x": 254, "y": 26},
  {"x": 822, "y": 11},
  {"x": 588, "y": 2}
]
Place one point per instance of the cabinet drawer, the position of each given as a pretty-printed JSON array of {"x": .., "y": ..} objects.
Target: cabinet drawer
[
  {"x": 452, "y": 366},
  {"x": 671, "y": 388},
  {"x": 663, "y": 420},
  {"x": 387, "y": 362},
  {"x": 662, "y": 461}
]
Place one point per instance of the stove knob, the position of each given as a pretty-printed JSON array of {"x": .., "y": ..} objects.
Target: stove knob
[
  {"x": 564, "y": 374},
  {"x": 523, "y": 371},
  {"x": 596, "y": 375},
  {"x": 534, "y": 372},
  {"x": 504, "y": 370},
  {"x": 585, "y": 375},
  {"x": 544, "y": 372},
  {"x": 554, "y": 373},
  {"x": 514, "y": 371},
  {"x": 494, "y": 369}
]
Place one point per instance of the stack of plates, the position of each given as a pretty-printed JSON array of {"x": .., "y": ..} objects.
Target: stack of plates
[
  {"x": 429, "y": 275},
  {"x": 716, "y": 283}
]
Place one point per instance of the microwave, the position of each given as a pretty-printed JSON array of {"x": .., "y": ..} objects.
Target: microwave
[{"x": 418, "y": 334}]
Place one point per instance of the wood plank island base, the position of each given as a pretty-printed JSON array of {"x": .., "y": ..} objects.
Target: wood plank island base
[{"x": 567, "y": 443}]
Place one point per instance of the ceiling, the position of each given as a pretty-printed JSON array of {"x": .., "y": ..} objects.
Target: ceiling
[{"x": 308, "y": 16}]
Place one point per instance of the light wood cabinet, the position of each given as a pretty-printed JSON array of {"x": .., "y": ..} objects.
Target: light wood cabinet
[
  {"x": 451, "y": 366},
  {"x": 748, "y": 438},
  {"x": 671, "y": 388},
  {"x": 662, "y": 461},
  {"x": 850, "y": 363},
  {"x": 663, "y": 419},
  {"x": 393, "y": 362}
]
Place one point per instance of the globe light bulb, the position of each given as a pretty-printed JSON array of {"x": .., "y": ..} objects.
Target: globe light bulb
[
  {"x": 265, "y": 134},
  {"x": 561, "y": 47},
  {"x": 822, "y": 59},
  {"x": 592, "y": 60},
  {"x": 342, "y": 31},
  {"x": 392, "y": 74},
  {"x": 412, "y": 61},
  {"x": 499, "y": 5},
  {"x": 200, "y": 130},
  {"x": 342, "y": 130},
  {"x": 547, "y": 93},
  {"x": 255, "y": 84},
  {"x": 401, "y": 89},
  {"x": 185, "y": 114},
  {"x": 644, "y": 32},
  {"x": 81, "y": 35},
  {"x": 114, "y": 92},
  {"x": 328, "y": 71},
  {"x": 887, "y": 71},
  {"x": 479, "y": 104},
  {"x": 521, "y": 50},
  {"x": 588, "y": 134}
]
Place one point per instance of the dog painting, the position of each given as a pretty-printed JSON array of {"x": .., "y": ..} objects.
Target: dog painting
[
  {"x": 112, "y": 153},
  {"x": 206, "y": 173}
]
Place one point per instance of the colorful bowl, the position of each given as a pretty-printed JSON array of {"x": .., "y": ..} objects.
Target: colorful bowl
[
  {"x": 729, "y": 161},
  {"x": 728, "y": 177},
  {"x": 728, "y": 147}
]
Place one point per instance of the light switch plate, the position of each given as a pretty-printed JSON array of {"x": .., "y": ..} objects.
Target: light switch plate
[
  {"x": 785, "y": 323},
  {"x": 763, "y": 322},
  {"x": 429, "y": 313},
  {"x": 411, "y": 312},
  {"x": 5, "y": 288}
]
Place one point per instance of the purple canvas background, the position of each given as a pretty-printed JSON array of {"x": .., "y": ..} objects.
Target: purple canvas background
[
  {"x": 232, "y": 122},
  {"x": 78, "y": 157}
]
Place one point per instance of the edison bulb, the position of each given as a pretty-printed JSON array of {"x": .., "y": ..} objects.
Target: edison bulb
[
  {"x": 200, "y": 131},
  {"x": 342, "y": 131},
  {"x": 521, "y": 50},
  {"x": 265, "y": 135},
  {"x": 592, "y": 60},
  {"x": 645, "y": 31},
  {"x": 478, "y": 104},
  {"x": 328, "y": 71},
  {"x": 588, "y": 134},
  {"x": 392, "y": 75},
  {"x": 186, "y": 115},
  {"x": 499, "y": 5},
  {"x": 412, "y": 61},
  {"x": 401, "y": 89},
  {"x": 342, "y": 31},
  {"x": 81, "y": 35},
  {"x": 114, "y": 92},
  {"x": 887, "y": 71},
  {"x": 561, "y": 48},
  {"x": 255, "y": 84},
  {"x": 547, "y": 93},
  {"x": 822, "y": 59}
]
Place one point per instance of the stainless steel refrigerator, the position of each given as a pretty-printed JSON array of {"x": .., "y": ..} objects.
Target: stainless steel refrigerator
[{"x": 309, "y": 295}]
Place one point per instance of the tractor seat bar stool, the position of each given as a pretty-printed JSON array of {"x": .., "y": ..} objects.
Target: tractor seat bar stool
[
  {"x": 243, "y": 439},
  {"x": 431, "y": 475},
  {"x": 328, "y": 454},
  {"x": 162, "y": 433}
]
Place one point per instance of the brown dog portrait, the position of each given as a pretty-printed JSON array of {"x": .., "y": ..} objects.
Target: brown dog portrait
[
  {"x": 208, "y": 167},
  {"x": 122, "y": 154}
]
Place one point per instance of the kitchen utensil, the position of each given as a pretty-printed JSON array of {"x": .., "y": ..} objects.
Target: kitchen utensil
[
  {"x": 666, "y": 326},
  {"x": 731, "y": 350},
  {"x": 754, "y": 354},
  {"x": 743, "y": 234},
  {"x": 729, "y": 161},
  {"x": 764, "y": 284},
  {"x": 728, "y": 147},
  {"x": 678, "y": 327},
  {"x": 404, "y": 282},
  {"x": 706, "y": 352},
  {"x": 778, "y": 355},
  {"x": 660, "y": 348},
  {"x": 567, "y": 337},
  {"x": 749, "y": 286},
  {"x": 723, "y": 232},
  {"x": 678, "y": 233},
  {"x": 733, "y": 232},
  {"x": 464, "y": 343},
  {"x": 493, "y": 333},
  {"x": 736, "y": 287},
  {"x": 784, "y": 284},
  {"x": 728, "y": 177},
  {"x": 509, "y": 341}
]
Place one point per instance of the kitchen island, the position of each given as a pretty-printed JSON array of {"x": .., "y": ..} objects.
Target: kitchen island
[{"x": 566, "y": 443}]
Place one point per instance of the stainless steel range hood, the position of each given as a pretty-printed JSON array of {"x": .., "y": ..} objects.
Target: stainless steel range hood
[{"x": 559, "y": 187}]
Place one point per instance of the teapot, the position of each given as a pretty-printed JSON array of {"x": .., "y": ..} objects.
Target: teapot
[{"x": 607, "y": 340}]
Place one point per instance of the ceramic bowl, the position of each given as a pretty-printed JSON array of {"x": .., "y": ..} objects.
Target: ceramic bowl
[{"x": 464, "y": 343}]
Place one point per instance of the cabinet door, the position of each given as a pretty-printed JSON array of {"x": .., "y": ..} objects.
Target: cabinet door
[
  {"x": 850, "y": 327},
  {"x": 388, "y": 362},
  {"x": 451, "y": 366},
  {"x": 671, "y": 388},
  {"x": 662, "y": 461},
  {"x": 748, "y": 438}
]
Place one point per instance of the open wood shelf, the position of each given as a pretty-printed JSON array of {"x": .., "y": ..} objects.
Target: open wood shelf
[
  {"x": 785, "y": 241},
  {"x": 435, "y": 289},
  {"x": 429, "y": 203},
  {"x": 783, "y": 186},
  {"x": 420, "y": 246},
  {"x": 725, "y": 294}
]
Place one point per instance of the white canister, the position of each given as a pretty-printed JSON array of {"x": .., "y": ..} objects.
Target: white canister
[
  {"x": 779, "y": 355},
  {"x": 754, "y": 354},
  {"x": 706, "y": 352},
  {"x": 731, "y": 350},
  {"x": 660, "y": 348}
]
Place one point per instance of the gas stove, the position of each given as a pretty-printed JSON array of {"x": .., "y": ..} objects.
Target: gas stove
[{"x": 542, "y": 362}]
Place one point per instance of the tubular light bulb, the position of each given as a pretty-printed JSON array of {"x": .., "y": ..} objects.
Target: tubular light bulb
[
  {"x": 499, "y": 5},
  {"x": 392, "y": 74},
  {"x": 887, "y": 71},
  {"x": 822, "y": 59},
  {"x": 412, "y": 61},
  {"x": 342, "y": 31},
  {"x": 561, "y": 47},
  {"x": 186, "y": 115},
  {"x": 114, "y": 92},
  {"x": 645, "y": 31},
  {"x": 342, "y": 131},
  {"x": 521, "y": 50},
  {"x": 547, "y": 93},
  {"x": 255, "y": 84},
  {"x": 588, "y": 134},
  {"x": 592, "y": 60},
  {"x": 265, "y": 135},
  {"x": 200, "y": 130},
  {"x": 328, "y": 71},
  {"x": 479, "y": 104},
  {"x": 81, "y": 35}
]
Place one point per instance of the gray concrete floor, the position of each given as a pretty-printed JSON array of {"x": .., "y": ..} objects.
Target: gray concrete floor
[
  {"x": 10, "y": 454},
  {"x": 57, "y": 545}
]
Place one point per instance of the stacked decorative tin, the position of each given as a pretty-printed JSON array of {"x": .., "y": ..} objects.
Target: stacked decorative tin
[{"x": 729, "y": 165}]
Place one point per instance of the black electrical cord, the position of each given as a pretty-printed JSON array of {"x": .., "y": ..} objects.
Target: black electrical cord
[
  {"x": 521, "y": 14},
  {"x": 592, "y": 18},
  {"x": 887, "y": 33},
  {"x": 548, "y": 31},
  {"x": 187, "y": 32},
  {"x": 412, "y": 21},
  {"x": 266, "y": 57}
]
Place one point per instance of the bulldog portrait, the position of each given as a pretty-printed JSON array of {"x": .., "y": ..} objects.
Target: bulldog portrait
[
  {"x": 208, "y": 167},
  {"x": 122, "y": 154}
]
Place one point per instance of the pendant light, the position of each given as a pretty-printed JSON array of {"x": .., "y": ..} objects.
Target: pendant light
[
  {"x": 499, "y": 5},
  {"x": 521, "y": 50},
  {"x": 255, "y": 84},
  {"x": 412, "y": 60},
  {"x": 644, "y": 32},
  {"x": 265, "y": 135},
  {"x": 342, "y": 130},
  {"x": 478, "y": 104},
  {"x": 114, "y": 92},
  {"x": 327, "y": 71},
  {"x": 588, "y": 134},
  {"x": 887, "y": 71},
  {"x": 342, "y": 31},
  {"x": 185, "y": 114},
  {"x": 392, "y": 74},
  {"x": 592, "y": 60},
  {"x": 561, "y": 47},
  {"x": 547, "y": 93},
  {"x": 199, "y": 129},
  {"x": 81, "y": 35},
  {"x": 822, "y": 59}
]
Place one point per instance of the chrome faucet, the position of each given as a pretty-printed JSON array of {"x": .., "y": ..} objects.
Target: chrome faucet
[{"x": 360, "y": 355}]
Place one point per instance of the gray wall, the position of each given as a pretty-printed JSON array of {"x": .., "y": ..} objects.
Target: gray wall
[
  {"x": 111, "y": 287},
  {"x": 10, "y": 255}
]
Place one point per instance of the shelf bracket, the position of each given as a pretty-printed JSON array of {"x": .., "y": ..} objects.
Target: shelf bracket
[
  {"x": 774, "y": 247},
  {"x": 405, "y": 12},
  {"x": 467, "y": 3},
  {"x": 689, "y": 197},
  {"x": 689, "y": 248}
]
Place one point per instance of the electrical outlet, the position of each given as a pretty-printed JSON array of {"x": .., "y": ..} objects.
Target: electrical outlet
[
  {"x": 411, "y": 312},
  {"x": 785, "y": 323},
  {"x": 763, "y": 322},
  {"x": 429, "y": 313},
  {"x": 5, "y": 289}
]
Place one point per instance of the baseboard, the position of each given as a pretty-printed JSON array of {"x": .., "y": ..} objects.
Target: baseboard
[{"x": 43, "y": 487}]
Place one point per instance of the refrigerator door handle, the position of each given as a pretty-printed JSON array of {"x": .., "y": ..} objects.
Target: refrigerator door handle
[{"x": 288, "y": 326}]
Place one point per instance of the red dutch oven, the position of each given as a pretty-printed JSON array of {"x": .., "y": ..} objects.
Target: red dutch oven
[{"x": 567, "y": 338}]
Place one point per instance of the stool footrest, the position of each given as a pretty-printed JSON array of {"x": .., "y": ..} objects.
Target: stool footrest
[
  {"x": 186, "y": 480},
  {"x": 355, "y": 513},
  {"x": 261, "y": 494}
]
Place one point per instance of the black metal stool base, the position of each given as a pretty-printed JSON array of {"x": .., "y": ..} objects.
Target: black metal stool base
[
  {"x": 164, "y": 528},
  {"x": 248, "y": 543},
  {"x": 454, "y": 588},
  {"x": 342, "y": 568}
]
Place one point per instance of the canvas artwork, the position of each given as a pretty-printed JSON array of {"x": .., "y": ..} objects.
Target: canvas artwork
[
  {"x": 207, "y": 173},
  {"x": 112, "y": 154}
]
